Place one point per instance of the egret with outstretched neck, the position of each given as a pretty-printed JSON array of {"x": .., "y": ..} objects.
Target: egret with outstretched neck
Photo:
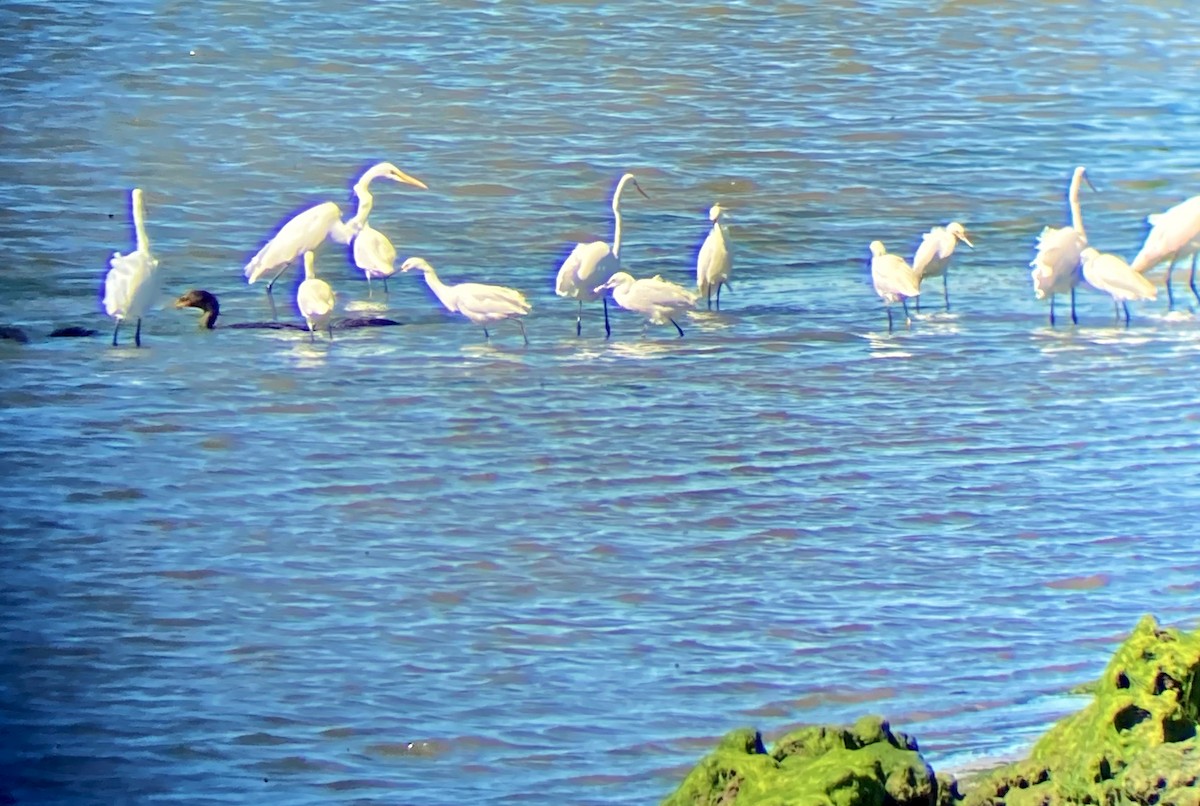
[
  {"x": 590, "y": 265},
  {"x": 309, "y": 229},
  {"x": 1115, "y": 277},
  {"x": 659, "y": 300},
  {"x": 479, "y": 302},
  {"x": 715, "y": 260},
  {"x": 1057, "y": 264},
  {"x": 315, "y": 299},
  {"x": 1173, "y": 234},
  {"x": 132, "y": 282},
  {"x": 933, "y": 256},
  {"x": 894, "y": 280}
]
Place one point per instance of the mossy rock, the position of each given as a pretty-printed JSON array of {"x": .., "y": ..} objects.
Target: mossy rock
[
  {"x": 1143, "y": 714},
  {"x": 866, "y": 764}
]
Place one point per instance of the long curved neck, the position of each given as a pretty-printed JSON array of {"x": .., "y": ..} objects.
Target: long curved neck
[
  {"x": 616, "y": 208},
  {"x": 208, "y": 318},
  {"x": 1073, "y": 198},
  {"x": 139, "y": 222},
  {"x": 366, "y": 202},
  {"x": 440, "y": 289}
]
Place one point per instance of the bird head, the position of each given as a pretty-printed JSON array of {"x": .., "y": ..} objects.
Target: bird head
[
  {"x": 618, "y": 279},
  {"x": 205, "y": 301},
  {"x": 715, "y": 212},
  {"x": 386, "y": 170},
  {"x": 958, "y": 231},
  {"x": 1080, "y": 175},
  {"x": 418, "y": 263},
  {"x": 877, "y": 248},
  {"x": 630, "y": 179}
]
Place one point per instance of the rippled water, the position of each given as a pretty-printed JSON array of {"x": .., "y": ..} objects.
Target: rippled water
[{"x": 414, "y": 566}]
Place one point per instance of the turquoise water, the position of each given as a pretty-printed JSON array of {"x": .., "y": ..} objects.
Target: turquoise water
[{"x": 414, "y": 566}]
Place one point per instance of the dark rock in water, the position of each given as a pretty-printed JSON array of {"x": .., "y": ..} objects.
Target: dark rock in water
[
  {"x": 863, "y": 764},
  {"x": 1134, "y": 743},
  {"x": 12, "y": 333},
  {"x": 73, "y": 332}
]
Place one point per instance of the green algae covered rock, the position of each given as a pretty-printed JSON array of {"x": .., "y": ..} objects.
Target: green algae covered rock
[
  {"x": 824, "y": 766},
  {"x": 1136, "y": 742}
]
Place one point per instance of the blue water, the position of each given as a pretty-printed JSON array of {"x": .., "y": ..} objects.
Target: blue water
[{"x": 415, "y": 566}]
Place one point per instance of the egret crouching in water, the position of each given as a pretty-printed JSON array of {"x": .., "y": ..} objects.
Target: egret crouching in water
[
  {"x": 1056, "y": 266},
  {"x": 478, "y": 302},
  {"x": 210, "y": 310},
  {"x": 715, "y": 261},
  {"x": 1115, "y": 277},
  {"x": 591, "y": 264},
  {"x": 132, "y": 282},
  {"x": 894, "y": 280},
  {"x": 315, "y": 299},
  {"x": 375, "y": 255},
  {"x": 933, "y": 255},
  {"x": 1173, "y": 234},
  {"x": 659, "y": 300},
  {"x": 307, "y": 230}
]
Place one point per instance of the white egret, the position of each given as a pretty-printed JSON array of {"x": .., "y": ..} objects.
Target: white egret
[
  {"x": 894, "y": 280},
  {"x": 132, "y": 282},
  {"x": 210, "y": 309},
  {"x": 715, "y": 260},
  {"x": 659, "y": 300},
  {"x": 591, "y": 264},
  {"x": 932, "y": 258},
  {"x": 1173, "y": 234},
  {"x": 478, "y": 302},
  {"x": 309, "y": 229},
  {"x": 1115, "y": 277},
  {"x": 1056, "y": 266},
  {"x": 315, "y": 299},
  {"x": 374, "y": 254}
]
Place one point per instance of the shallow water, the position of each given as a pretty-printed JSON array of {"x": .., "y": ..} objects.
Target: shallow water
[{"x": 414, "y": 566}]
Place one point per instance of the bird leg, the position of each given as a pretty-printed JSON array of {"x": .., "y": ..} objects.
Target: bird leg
[
  {"x": 137, "y": 334},
  {"x": 271, "y": 283},
  {"x": 918, "y": 304},
  {"x": 329, "y": 328},
  {"x": 1074, "y": 318},
  {"x": 486, "y": 335},
  {"x": 370, "y": 291},
  {"x": 115, "y": 329},
  {"x": 677, "y": 327},
  {"x": 719, "y": 295},
  {"x": 607, "y": 329},
  {"x": 1051, "y": 310},
  {"x": 907, "y": 317},
  {"x": 521, "y": 325},
  {"x": 385, "y": 291},
  {"x": 1125, "y": 305},
  {"x": 274, "y": 313},
  {"x": 945, "y": 290},
  {"x": 1192, "y": 279},
  {"x": 579, "y": 320},
  {"x": 888, "y": 308},
  {"x": 1170, "y": 296}
]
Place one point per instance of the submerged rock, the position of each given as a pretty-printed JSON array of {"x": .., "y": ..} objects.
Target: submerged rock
[{"x": 864, "y": 764}]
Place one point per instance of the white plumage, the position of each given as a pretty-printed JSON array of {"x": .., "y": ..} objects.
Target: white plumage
[
  {"x": 894, "y": 280},
  {"x": 315, "y": 299},
  {"x": 932, "y": 257},
  {"x": 591, "y": 264},
  {"x": 132, "y": 282},
  {"x": 1056, "y": 266},
  {"x": 715, "y": 261},
  {"x": 659, "y": 300},
  {"x": 479, "y": 302},
  {"x": 374, "y": 254},
  {"x": 1173, "y": 234},
  {"x": 1115, "y": 277}
]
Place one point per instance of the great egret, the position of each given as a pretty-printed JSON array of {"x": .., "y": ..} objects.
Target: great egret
[
  {"x": 933, "y": 255},
  {"x": 478, "y": 302},
  {"x": 659, "y": 300},
  {"x": 132, "y": 282},
  {"x": 374, "y": 254},
  {"x": 1173, "y": 234},
  {"x": 309, "y": 229},
  {"x": 1115, "y": 277},
  {"x": 591, "y": 264},
  {"x": 715, "y": 260},
  {"x": 1056, "y": 266},
  {"x": 315, "y": 299},
  {"x": 894, "y": 280},
  {"x": 210, "y": 309}
]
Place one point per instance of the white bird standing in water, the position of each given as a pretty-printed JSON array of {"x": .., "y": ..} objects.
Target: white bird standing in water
[
  {"x": 132, "y": 282},
  {"x": 1173, "y": 234},
  {"x": 591, "y": 264},
  {"x": 315, "y": 299},
  {"x": 478, "y": 302},
  {"x": 715, "y": 260},
  {"x": 374, "y": 254},
  {"x": 1115, "y": 277},
  {"x": 659, "y": 300},
  {"x": 894, "y": 280},
  {"x": 309, "y": 229},
  {"x": 1056, "y": 267},
  {"x": 933, "y": 255}
]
